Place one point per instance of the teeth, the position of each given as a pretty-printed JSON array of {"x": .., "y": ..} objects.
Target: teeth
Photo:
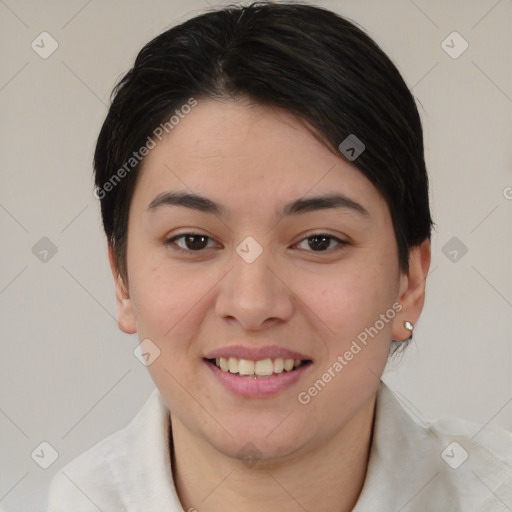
[
  {"x": 278, "y": 365},
  {"x": 288, "y": 364},
  {"x": 246, "y": 367},
  {"x": 263, "y": 368},
  {"x": 233, "y": 365}
]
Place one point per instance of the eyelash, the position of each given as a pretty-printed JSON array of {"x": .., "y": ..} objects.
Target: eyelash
[{"x": 172, "y": 242}]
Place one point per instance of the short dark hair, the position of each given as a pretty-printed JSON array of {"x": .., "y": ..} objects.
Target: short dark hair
[{"x": 301, "y": 58}]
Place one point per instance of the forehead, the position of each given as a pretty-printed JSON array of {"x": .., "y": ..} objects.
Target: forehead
[{"x": 248, "y": 155}]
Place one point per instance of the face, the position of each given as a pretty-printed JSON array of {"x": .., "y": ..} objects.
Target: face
[{"x": 251, "y": 245}]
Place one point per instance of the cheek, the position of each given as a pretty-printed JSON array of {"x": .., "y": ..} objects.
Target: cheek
[
  {"x": 170, "y": 306},
  {"x": 165, "y": 297},
  {"x": 349, "y": 299},
  {"x": 350, "y": 303}
]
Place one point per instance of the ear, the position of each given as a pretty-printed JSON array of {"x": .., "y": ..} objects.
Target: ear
[
  {"x": 125, "y": 316},
  {"x": 412, "y": 290}
]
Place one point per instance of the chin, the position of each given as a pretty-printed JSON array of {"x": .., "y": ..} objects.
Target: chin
[
  {"x": 263, "y": 444},
  {"x": 261, "y": 452}
]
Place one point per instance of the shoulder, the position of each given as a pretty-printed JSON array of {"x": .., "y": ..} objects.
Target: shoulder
[
  {"x": 87, "y": 481},
  {"x": 450, "y": 464},
  {"x": 98, "y": 477},
  {"x": 476, "y": 461},
  {"x": 494, "y": 441}
]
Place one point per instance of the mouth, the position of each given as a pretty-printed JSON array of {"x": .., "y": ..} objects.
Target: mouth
[
  {"x": 259, "y": 369},
  {"x": 257, "y": 372}
]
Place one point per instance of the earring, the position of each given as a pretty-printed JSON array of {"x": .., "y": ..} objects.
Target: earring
[{"x": 408, "y": 325}]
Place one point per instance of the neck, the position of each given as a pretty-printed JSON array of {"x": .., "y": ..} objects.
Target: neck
[{"x": 328, "y": 477}]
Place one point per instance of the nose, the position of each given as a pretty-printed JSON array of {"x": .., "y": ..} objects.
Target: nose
[{"x": 254, "y": 295}]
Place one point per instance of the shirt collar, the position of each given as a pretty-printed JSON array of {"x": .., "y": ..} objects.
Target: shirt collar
[{"x": 406, "y": 471}]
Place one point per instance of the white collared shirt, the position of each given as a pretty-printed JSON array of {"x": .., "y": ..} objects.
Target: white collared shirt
[{"x": 447, "y": 466}]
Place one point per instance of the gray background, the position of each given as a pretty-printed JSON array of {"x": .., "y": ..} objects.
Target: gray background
[{"x": 69, "y": 377}]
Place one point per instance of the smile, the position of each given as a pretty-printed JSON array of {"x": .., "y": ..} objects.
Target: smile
[
  {"x": 263, "y": 368},
  {"x": 256, "y": 379}
]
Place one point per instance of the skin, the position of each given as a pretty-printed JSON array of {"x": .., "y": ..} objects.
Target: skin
[{"x": 252, "y": 160}]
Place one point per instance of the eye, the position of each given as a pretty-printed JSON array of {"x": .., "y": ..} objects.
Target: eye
[
  {"x": 190, "y": 242},
  {"x": 322, "y": 242},
  {"x": 196, "y": 242}
]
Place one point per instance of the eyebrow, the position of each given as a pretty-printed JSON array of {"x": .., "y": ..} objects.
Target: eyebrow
[{"x": 299, "y": 206}]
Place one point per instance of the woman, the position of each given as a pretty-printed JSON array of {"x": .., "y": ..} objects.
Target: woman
[{"x": 265, "y": 198}]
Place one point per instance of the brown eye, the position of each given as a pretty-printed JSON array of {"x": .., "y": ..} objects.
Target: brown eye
[
  {"x": 322, "y": 242},
  {"x": 319, "y": 242},
  {"x": 195, "y": 242},
  {"x": 191, "y": 242}
]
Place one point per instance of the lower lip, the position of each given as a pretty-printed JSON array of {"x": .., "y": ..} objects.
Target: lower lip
[{"x": 250, "y": 387}]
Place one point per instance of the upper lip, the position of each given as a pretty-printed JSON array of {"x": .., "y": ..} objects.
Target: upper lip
[{"x": 256, "y": 353}]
